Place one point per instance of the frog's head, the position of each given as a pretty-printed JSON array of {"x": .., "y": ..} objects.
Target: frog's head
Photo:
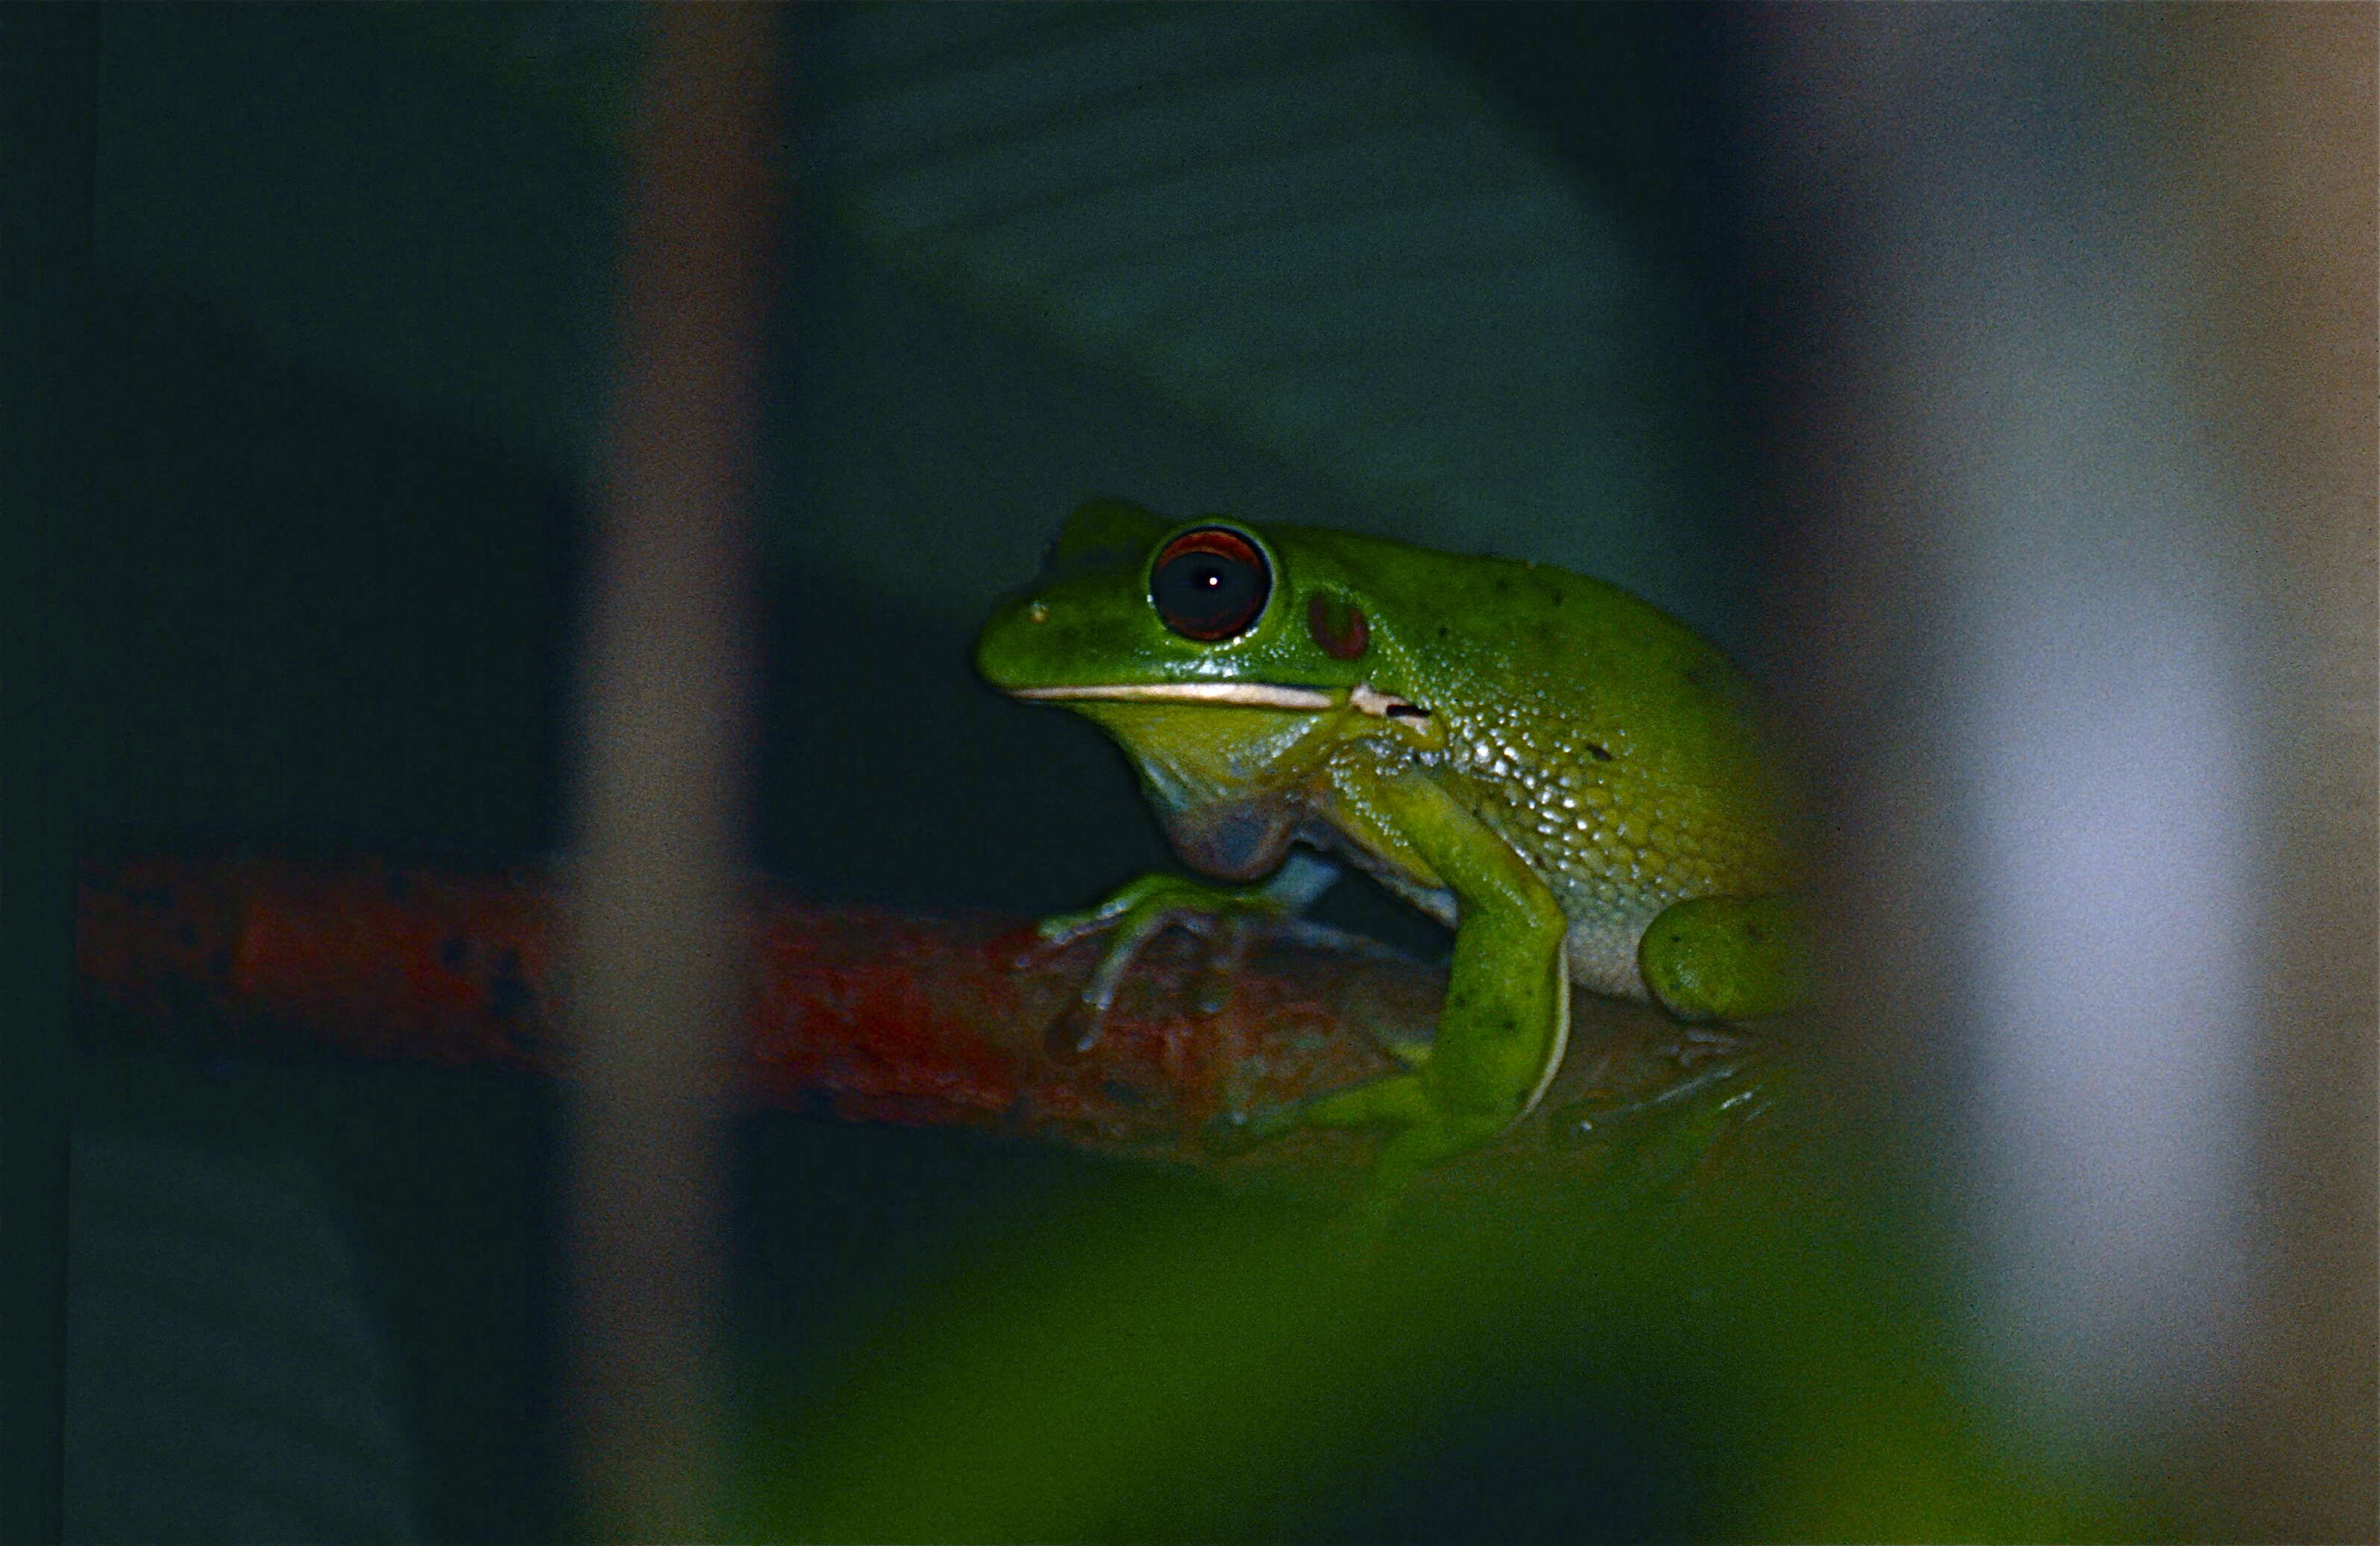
[{"x": 1223, "y": 659}]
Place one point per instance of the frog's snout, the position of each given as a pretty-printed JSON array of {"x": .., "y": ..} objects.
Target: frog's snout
[{"x": 1007, "y": 649}]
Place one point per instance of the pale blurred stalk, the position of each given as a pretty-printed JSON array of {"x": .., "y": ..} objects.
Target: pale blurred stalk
[
  {"x": 2080, "y": 621},
  {"x": 650, "y": 968},
  {"x": 2287, "y": 168}
]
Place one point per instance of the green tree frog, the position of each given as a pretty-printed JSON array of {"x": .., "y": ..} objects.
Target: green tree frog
[{"x": 1568, "y": 776}]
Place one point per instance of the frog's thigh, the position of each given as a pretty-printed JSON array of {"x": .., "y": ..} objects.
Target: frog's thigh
[
  {"x": 1725, "y": 957},
  {"x": 1507, "y": 1012}
]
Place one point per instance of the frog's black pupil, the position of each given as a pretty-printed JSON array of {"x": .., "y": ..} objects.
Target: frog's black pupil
[{"x": 1209, "y": 584}]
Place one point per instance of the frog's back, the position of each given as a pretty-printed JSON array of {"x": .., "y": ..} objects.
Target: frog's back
[{"x": 1615, "y": 748}]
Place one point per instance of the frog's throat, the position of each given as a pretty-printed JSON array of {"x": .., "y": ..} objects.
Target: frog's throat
[{"x": 1362, "y": 697}]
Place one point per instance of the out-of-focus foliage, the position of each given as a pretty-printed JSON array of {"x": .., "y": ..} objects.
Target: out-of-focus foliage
[
  {"x": 1672, "y": 1350},
  {"x": 230, "y": 1381}
]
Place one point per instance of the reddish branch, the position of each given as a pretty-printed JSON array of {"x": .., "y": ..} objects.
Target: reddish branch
[{"x": 861, "y": 1013}]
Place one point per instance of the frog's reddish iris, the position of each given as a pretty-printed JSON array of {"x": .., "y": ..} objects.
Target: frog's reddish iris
[{"x": 1209, "y": 584}]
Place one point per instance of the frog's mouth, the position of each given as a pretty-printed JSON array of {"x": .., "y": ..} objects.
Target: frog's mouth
[
  {"x": 1363, "y": 697},
  {"x": 1245, "y": 695}
]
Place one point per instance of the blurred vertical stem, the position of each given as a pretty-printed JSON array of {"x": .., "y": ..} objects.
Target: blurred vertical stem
[
  {"x": 2083, "y": 620},
  {"x": 661, "y": 790},
  {"x": 2287, "y": 167},
  {"x": 49, "y": 57}
]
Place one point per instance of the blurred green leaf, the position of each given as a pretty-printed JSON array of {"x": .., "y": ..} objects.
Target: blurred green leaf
[{"x": 1672, "y": 1350}]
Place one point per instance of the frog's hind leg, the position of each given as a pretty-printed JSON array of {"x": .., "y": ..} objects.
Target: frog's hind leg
[{"x": 1420, "y": 1136}]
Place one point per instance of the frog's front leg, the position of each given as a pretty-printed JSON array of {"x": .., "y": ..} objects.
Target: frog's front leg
[
  {"x": 1139, "y": 910},
  {"x": 1506, "y": 1018}
]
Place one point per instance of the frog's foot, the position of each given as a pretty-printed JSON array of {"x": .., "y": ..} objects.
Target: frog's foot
[
  {"x": 1424, "y": 1130},
  {"x": 1144, "y": 908},
  {"x": 1725, "y": 957},
  {"x": 1422, "y": 1135},
  {"x": 1601, "y": 1113}
]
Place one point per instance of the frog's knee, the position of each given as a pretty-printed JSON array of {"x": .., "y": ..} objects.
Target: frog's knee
[{"x": 1725, "y": 957}]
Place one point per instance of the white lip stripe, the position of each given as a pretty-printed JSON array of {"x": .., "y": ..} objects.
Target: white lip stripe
[{"x": 1255, "y": 695}]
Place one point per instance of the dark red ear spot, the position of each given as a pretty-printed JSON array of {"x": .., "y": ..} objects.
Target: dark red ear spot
[{"x": 1338, "y": 626}]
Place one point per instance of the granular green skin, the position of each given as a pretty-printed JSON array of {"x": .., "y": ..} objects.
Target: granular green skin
[{"x": 1606, "y": 744}]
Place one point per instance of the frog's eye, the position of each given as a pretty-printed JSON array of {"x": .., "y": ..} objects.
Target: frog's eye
[{"x": 1209, "y": 584}]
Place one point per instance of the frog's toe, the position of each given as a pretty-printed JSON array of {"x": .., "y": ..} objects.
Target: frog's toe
[
  {"x": 1083, "y": 1020},
  {"x": 1076, "y": 1031},
  {"x": 1228, "y": 953},
  {"x": 1062, "y": 930},
  {"x": 1399, "y": 1101},
  {"x": 1237, "y": 1132}
]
